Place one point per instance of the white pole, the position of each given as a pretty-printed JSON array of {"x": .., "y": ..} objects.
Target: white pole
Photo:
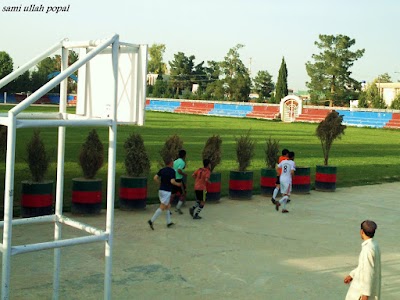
[
  {"x": 111, "y": 176},
  {"x": 29, "y": 64},
  {"x": 5, "y": 97},
  {"x": 60, "y": 77},
  {"x": 60, "y": 176},
  {"x": 8, "y": 206},
  {"x": 142, "y": 74}
]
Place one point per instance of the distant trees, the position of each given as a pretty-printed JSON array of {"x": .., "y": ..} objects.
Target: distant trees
[
  {"x": 32, "y": 80},
  {"x": 330, "y": 71},
  {"x": 236, "y": 81},
  {"x": 281, "y": 85},
  {"x": 156, "y": 63},
  {"x": 263, "y": 85}
]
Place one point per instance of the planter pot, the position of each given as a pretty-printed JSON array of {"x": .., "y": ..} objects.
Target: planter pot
[
  {"x": 36, "y": 198},
  {"x": 301, "y": 181},
  {"x": 267, "y": 181},
  {"x": 86, "y": 196},
  {"x": 132, "y": 193},
  {"x": 325, "y": 178},
  {"x": 240, "y": 185},
  {"x": 214, "y": 187}
]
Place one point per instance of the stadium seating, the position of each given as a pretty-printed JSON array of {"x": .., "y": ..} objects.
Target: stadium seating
[{"x": 264, "y": 112}]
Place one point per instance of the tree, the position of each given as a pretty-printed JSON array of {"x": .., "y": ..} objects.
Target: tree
[
  {"x": 156, "y": 64},
  {"x": 44, "y": 69},
  {"x": 329, "y": 130},
  {"x": 181, "y": 72},
  {"x": 281, "y": 89},
  {"x": 263, "y": 84},
  {"x": 396, "y": 103},
  {"x": 330, "y": 74},
  {"x": 384, "y": 78},
  {"x": 6, "y": 66},
  {"x": 237, "y": 80}
]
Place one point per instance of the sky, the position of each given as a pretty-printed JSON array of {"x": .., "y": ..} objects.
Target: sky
[{"x": 207, "y": 29}]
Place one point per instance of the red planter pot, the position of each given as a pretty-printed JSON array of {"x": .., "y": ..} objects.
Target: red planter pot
[
  {"x": 301, "y": 181},
  {"x": 325, "y": 178},
  {"x": 240, "y": 185},
  {"x": 132, "y": 193},
  {"x": 214, "y": 187},
  {"x": 86, "y": 196},
  {"x": 267, "y": 181},
  {"x": 36, "y": 198}
]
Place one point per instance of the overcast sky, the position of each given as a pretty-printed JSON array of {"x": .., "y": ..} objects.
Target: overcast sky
[{"x": 207, "y": 29}]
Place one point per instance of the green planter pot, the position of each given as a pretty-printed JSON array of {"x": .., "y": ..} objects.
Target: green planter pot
[
  {"x": 240, "y": 185},
  {"x": 86, "y": 196},
  {"x": 214, "y": 187},
  {"x": 301, "y": 181},
  {"x": 267, "y": 181},
  {"x": 325, "y": 178},
  {"x": 132, "y": 193},
  {"x": 36, "y": 198}
]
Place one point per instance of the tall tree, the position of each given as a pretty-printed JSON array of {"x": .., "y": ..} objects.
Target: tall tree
[
  {"x": 6, "y": 66},
  {"x": 156, "y": 63},
  {"x": 281, "y": 85},
  {"x": 330, "y": 74},
  {"x": 237, "y": 80},
  {"x": 181, "y": 72},
  {"x": 263, "y": 84}
]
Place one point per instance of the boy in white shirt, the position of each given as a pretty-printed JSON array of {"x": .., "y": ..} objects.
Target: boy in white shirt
[{"x": 288, "y": 167}]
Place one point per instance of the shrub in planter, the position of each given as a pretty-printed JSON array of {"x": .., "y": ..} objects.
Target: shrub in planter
[
  {"x": 37, "y": 193},
  {"x": 212, "y": 151},
  {"x": 328, "y": 130},
  {"x": 133, "y": 186},
  {"x": 268, "y": 174},
  {"x": 170, "y": 150},
  {"x": 241, "y": 181},
  {"x": 87, "y": 191}
]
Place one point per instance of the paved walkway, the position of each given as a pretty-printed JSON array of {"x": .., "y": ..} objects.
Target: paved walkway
[{"x": 239, "y": 250}]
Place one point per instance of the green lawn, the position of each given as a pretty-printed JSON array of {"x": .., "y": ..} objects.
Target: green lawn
[{"x": 363, "y": 155}]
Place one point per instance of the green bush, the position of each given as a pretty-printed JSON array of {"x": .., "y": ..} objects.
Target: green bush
[
  {"x": 171, "y": 148},
  {"x": 137, "y": 162},
  {"x": 38, "y": 159},
  {"x": 245, "y": 147},
  {"x": 91, "y": 157},
  {"x": 212, "y": 150},
  {"x": 271, "y": 152}
]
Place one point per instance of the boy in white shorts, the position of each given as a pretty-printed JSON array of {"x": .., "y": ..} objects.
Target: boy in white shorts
[
  {"x": 288, "y": 167},
  {"x": 166, "y": 179}
]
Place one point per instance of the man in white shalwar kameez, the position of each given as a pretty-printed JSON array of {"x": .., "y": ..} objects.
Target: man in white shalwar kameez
[{"x": 365, "y": 280}]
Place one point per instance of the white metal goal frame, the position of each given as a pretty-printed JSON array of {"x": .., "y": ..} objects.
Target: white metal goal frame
[{"x": 17, "y": 119}]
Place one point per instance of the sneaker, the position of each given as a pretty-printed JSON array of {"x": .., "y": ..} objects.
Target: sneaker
[
  {"x": 150, "y": 224},
  {"x": 277, "y": 204},
  {"x": 196, "y": 217},
  {"x": 288, "y": 200},
  {"x": 284, "y": 211},
  {"x": 170, "y": 224},
  {"x": 273, "y": 200},
  {"x": 178, "y": 210},
  {"x": 191, "y": 211}
]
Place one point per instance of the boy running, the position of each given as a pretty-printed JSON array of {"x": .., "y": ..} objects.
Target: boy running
[
  {"x": 284, "y": 156},
  {"x": 288, "y": 167},
  {"x": 201, "y": 178},
  {"x": 179, "y": 166},
  {"x": 166, "y": 179}
]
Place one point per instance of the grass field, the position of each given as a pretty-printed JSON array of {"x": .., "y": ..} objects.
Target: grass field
[{"x": 363, "y": 155}]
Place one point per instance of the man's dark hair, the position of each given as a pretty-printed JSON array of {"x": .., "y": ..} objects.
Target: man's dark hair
[
  {"x": 291, "y": 155},
  {"x": 369, "y": 228},
  {"x": 285, "y": 152},
  {"x": 206, "y": 162},
  {"x": 182, "y": 153}
]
